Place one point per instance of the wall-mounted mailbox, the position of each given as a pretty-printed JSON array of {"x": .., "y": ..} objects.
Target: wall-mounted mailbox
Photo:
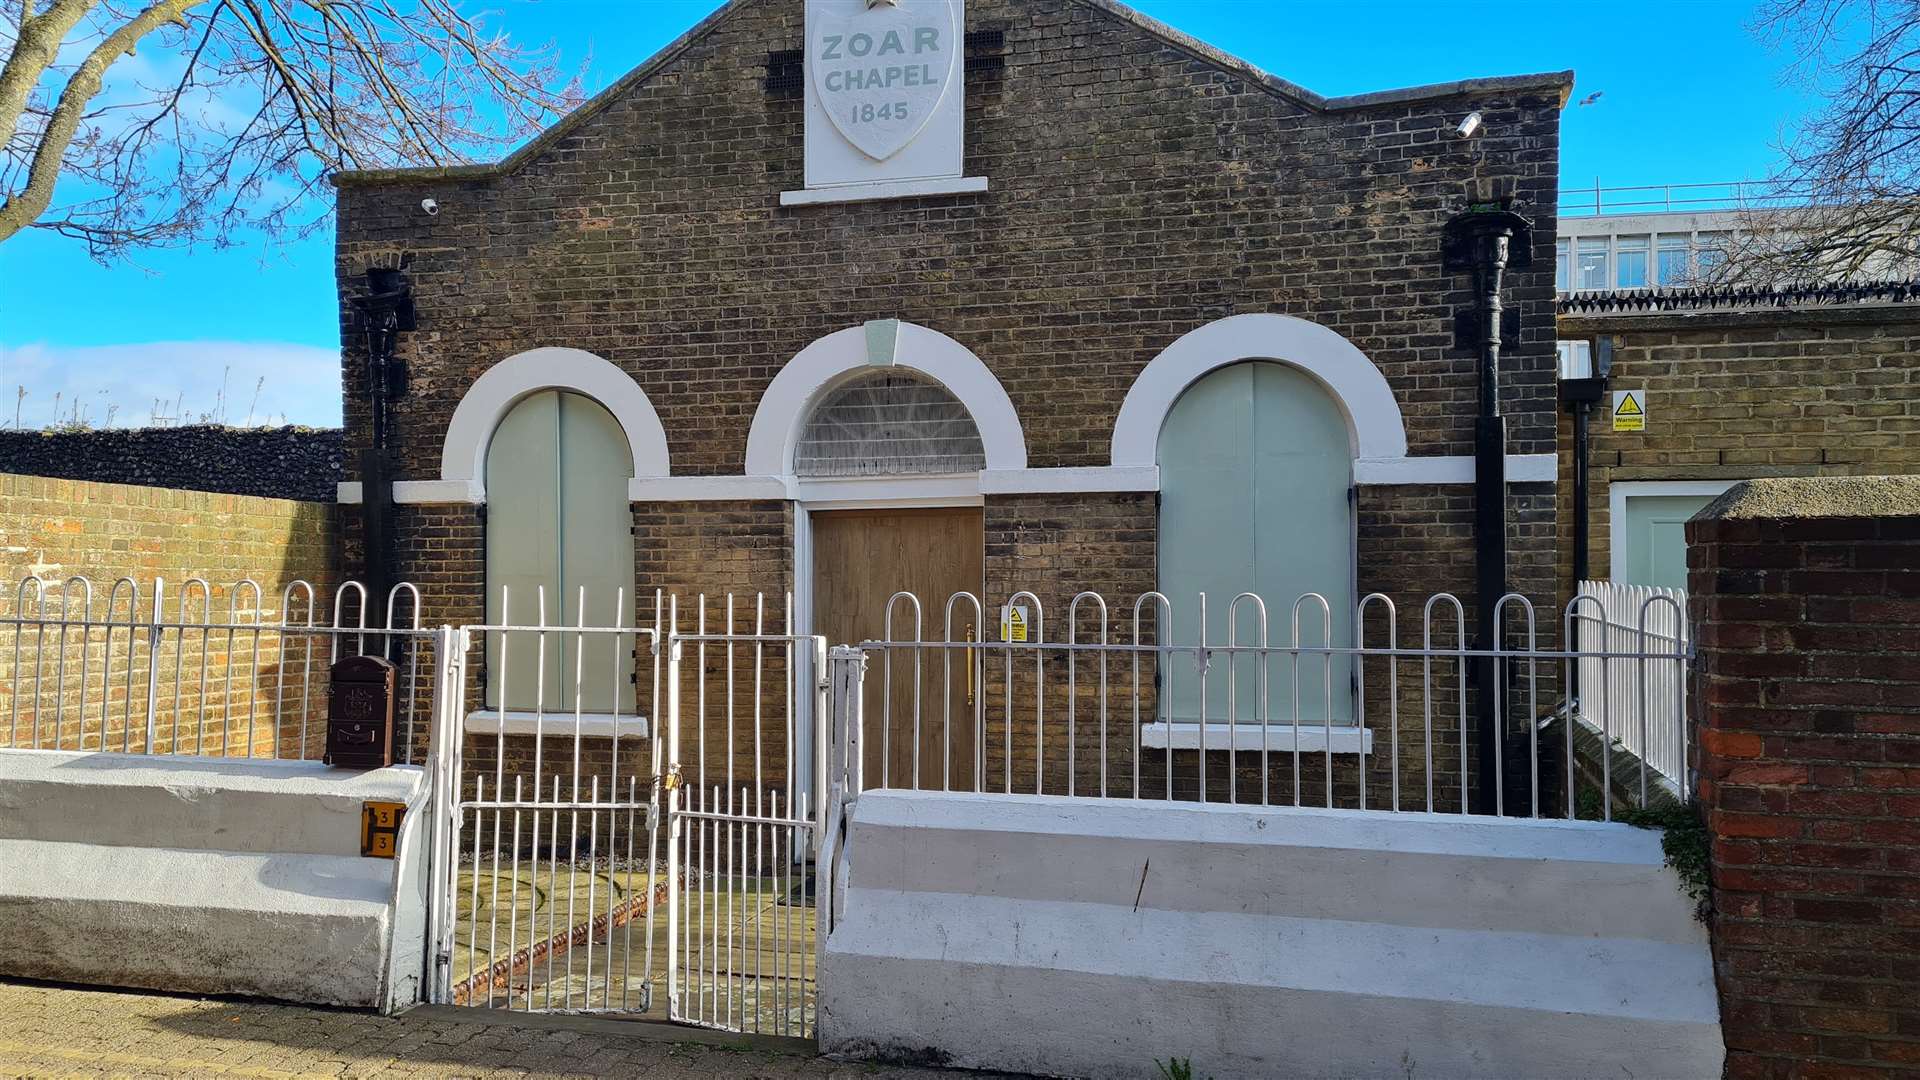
[{"x": 360, "y": 713}]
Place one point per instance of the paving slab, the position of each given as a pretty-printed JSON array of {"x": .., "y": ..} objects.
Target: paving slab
[{"x": 63, "y": 1031}]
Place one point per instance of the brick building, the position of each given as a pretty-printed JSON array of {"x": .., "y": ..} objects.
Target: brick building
[
  {"x": 1819, "y": 386},
  {"x": 1170, "y": 323}
]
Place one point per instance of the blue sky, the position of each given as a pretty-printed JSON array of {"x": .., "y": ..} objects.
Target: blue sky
[{"x": 1690, "y": 95}]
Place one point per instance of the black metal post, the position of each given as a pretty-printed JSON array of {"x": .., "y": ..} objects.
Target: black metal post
[
  {"x": 1486, "y": 240},
  {"x": 1582, "y": 513},
  {"x": 1489, "y": 519},
  {"x": 385, "y": 311},
  {"x": 1581, "y": 394}
]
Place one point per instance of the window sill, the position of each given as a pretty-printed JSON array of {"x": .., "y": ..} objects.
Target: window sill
[
  {"x": 1347, "y": 739},
  {"x": 519, "y": 722},
  {"x": 884, "y": 189}
]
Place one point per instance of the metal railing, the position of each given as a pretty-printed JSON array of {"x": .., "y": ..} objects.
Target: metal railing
[
  {"x": 1679, "y": 198},
  {"x": 1633, "y": 705},
  {"x": 1277, "y": 713},
  {"x": 195, "y": 669}
]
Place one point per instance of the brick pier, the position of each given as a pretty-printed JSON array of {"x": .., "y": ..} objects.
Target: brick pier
[{"x": 1806, "y": 603}]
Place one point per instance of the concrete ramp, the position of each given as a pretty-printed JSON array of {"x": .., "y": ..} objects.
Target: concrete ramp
[
  {"x": 1084, "y": 938},
  {"x": 210, "y": 875}
]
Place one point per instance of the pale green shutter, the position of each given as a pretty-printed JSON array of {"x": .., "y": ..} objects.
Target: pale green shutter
[
  {"x": 596, "y": 552},
  {"x": 557, "y": 522},
  {"x": 523, "y": 552},
  {"x": 1255, "y": 467}
]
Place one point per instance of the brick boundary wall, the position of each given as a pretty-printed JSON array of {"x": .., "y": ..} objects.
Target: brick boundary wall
[
  {"x": 1805, "y": 596},
  {"x": 59, "y": 529},
  {"x": 271, "y": 463}
]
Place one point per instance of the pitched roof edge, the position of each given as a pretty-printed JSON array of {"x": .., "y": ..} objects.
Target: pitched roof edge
[
  {"x": 560, "y": 129},
  {"x": 1560, "y": 81},
  {"x": 1200, "y": 49}
]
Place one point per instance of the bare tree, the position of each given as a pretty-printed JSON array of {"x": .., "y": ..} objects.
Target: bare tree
[
  {"x": 1846, "y": 203},
  {"x": 234, "y": 111}
]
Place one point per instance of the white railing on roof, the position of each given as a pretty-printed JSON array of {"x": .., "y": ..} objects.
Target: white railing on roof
[
  {"x": 1639, "y": 707},
  {"x": 1593, "y": 200}
]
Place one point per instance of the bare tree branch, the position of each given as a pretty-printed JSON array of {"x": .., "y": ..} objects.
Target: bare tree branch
[
  {"x": 253, "y": 103},
  {"x": 1852, "y": 173}
]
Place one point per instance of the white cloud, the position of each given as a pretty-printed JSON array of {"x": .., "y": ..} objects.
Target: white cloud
[{"x": 218, "y": 379}]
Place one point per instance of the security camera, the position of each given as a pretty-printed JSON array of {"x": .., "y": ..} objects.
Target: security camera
[
  {"x": 1468, "y": 126},
  {"x": 433, "y": 208}
]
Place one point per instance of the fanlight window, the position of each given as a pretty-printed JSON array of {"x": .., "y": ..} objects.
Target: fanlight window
[{"x": 888, "y": 422}]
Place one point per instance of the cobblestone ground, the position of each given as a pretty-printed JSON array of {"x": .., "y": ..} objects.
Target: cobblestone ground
[{"x": 60, "y": 1031}]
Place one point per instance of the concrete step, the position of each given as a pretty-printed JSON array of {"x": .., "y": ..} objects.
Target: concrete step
[
  {"x": 1443, "y": 871},
  {"x": 213, "y": 804},
  {"x": 1080, "y": 937},
  {"x": 310, "y": 928}
]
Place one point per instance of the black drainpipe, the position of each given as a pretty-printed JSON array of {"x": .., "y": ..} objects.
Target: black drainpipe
[
  {"x": 1580, "y": 396},
  {"x": 1488, "y": 240},
  {"x": 385, "y": 312}
]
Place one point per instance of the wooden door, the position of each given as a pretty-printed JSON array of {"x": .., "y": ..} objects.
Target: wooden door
[{"x": 862, "y": 557}]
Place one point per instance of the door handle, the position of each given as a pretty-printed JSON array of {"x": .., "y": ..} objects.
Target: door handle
[{"x": 970, "y": 668}]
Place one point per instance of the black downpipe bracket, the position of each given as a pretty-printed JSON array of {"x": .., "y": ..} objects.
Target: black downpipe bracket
[
  {"x": 385, "y": 313},
  {"x": 1487, "y": 241}
]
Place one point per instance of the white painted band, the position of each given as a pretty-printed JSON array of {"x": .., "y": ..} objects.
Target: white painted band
[
  {"x": 1450, "y": 469},
  {"x": 790, "y": 397},
  {"x": 893, "y": 189},
  {"x": 970, "y": 488},
  {"x": 500, "y": 387},
  {"x": 1362, "y": 392}
]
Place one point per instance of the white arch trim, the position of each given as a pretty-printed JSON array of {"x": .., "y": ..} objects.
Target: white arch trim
[
  {"x": 1373, "y": 414},
  {"x": 791, "y": 396},
  {"x": 463, "y": 456}
]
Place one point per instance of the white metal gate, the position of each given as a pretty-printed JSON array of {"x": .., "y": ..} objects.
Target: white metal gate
[
  {"x": 656, "y": 859},
  {"x": 743, "y": 822}
]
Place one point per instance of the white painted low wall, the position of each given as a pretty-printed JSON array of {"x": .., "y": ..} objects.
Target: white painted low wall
[
  {"x": 210, "y": 875},
  {"x": 1083, "y": 938}
]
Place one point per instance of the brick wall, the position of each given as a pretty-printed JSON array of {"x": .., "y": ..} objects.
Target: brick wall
[
  {"x": 1806, "y": 598},
  {"x": 87, "y": 687},
  {"x": 67, "y": 527},
  {"x": 1139, "y": 189},
  {"x": 1734, "y": 395}
]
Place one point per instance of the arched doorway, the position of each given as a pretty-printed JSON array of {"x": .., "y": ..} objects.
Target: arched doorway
[
  {"x": 559, "y": 532},
  {"x": 1256, "y": 467},
  {"x": 896, "y": 422}
]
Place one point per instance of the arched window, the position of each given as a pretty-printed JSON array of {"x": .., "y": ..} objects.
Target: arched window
[
  {"x": 888, "y": 421},
  {"x": 558, "y": 527},
  {"x": 1256, "y": 463}
]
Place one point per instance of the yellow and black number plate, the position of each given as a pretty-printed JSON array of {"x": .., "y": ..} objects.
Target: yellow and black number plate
[{"x": 380, "y": 828}]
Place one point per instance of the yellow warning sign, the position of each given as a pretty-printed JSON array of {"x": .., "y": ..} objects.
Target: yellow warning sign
[
  {"x": 1013, "y": 622},
  {"x": 1629, "y": 410}
]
